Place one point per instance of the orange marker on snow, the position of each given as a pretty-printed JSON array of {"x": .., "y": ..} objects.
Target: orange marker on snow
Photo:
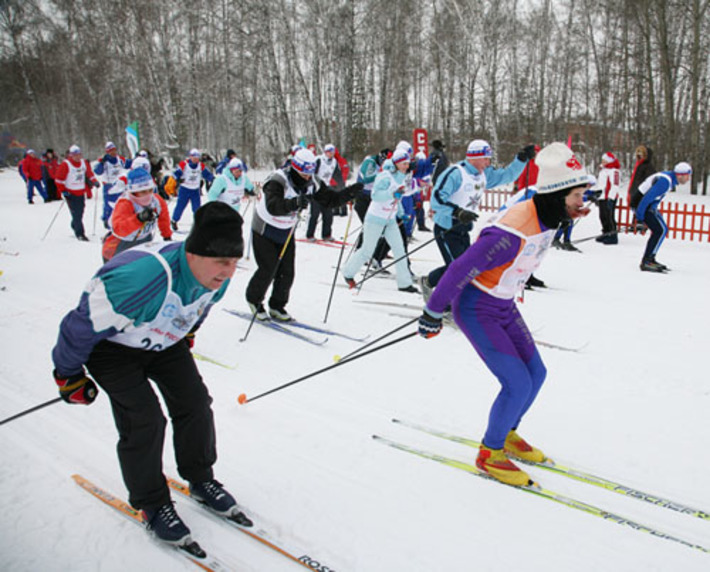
[{"x": 242, "y": 399}]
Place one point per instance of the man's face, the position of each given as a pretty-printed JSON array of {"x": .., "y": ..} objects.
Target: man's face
[
  {"x": 113, "y": 152},
  {"x": 682, "y": 179},
  {"x": 329, "y": 154},
  {"x": 211, "y": 272},
  {"x": 304, "y": 175},
  {"x": 194, "y": 159},
  {"x": 236, "y": 173},
  {"x": 480, "y": 163},
  {"x": 574, "y": 201}
]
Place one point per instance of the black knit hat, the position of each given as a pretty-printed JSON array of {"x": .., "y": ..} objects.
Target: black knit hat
[{"x": 216, "y": 232}]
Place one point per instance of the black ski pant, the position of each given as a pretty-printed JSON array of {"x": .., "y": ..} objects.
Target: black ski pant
[
  {"x": 326, "y": 214},
  {"x": 266, "y": 253},
  {"x": 659, "y": 229},
  {"x": 76, "y": 208},
  {"x": 452, "y": 243},
  {"x": 123, "y": 373},
  {"x": 606, "y": 216},
  {"x": 362, "y": 202}
]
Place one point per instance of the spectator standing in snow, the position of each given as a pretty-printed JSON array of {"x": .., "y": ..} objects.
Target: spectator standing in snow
[
  {"x": 189, "y": 174},
  {"x": 481, "y": 286},
  {"x": 609, "y": 181},
  {"x": 74, "y": 180},
  {"x": 110, "y": 167},
  {"x": 439, "y": 160},
  {"x": 136, "y": 322},
  {"x": 650, "y": 194},
  {"x": 49, "y": 173},
  {"x": 30, "y": 169}
]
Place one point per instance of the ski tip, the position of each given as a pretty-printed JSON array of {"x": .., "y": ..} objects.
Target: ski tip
[{"x": 242, "y": 399}]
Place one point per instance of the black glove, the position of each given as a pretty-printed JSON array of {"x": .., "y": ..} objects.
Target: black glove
[
  {"x": 593, "y": 196},
  {"x": 147, "y": 215},
  {"x": 465, "y": 216},
  {"x": 527, "y": 153},
  {"x": 429, "y": 326},
  {"x": 167, "y": 239},
  {"x": 353, "y": 190},
  {"x": 190, "y": 339},
  {"x": 78, "y": 388},
  {"x": 298, "y": 203},
  {"x": 95, "y": 184}
]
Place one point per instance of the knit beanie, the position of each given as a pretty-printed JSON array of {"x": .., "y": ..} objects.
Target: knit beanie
[{"x": 216, "y": 232}]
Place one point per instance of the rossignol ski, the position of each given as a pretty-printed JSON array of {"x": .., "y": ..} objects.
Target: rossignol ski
[
  {"x": 260, "y": 535},
  {"x": 191, "y": 550}
]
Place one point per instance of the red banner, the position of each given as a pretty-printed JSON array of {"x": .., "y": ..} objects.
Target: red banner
[{"x": 421, "y": 141}]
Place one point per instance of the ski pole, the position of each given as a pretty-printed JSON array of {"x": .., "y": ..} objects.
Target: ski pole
[
  {"x": 276, "y": 269},
  {"x": 30, "y": 410},
  {"x": 46, "y": 232},
  {"x": 338, "y": 358},
  {"x": 609, "y": 233},
  {"x": 242, "y": 399},
  {"x": 96, "y": 208},
  {"x": 337, "y": 267},
  {"x": 250, "y": 231}
]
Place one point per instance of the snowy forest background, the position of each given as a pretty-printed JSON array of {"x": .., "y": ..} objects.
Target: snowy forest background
[{"x": 257, "y": 76}]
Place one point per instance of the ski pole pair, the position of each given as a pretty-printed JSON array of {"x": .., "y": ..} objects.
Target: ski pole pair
[{"x": 242, "y": 399}]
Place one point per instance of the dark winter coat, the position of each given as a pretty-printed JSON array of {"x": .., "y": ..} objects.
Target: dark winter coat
[{"x": 643, "y": 169}]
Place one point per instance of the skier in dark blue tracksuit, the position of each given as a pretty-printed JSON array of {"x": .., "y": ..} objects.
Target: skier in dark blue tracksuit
[{"x": 650, "y": 195}]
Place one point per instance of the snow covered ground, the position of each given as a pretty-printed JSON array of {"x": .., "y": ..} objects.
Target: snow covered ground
[{"x": 632, "y": 406}]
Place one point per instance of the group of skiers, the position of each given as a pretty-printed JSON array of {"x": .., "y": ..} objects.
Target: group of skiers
[{"x": 137, "y": 319}]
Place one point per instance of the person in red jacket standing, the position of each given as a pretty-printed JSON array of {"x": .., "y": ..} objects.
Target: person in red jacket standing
[
  {"x": 30, "y": 169},
  {"x": 609, "y": 182},
  {"x": 72, "y": 177},
  {"x": 50, "y": 166}
]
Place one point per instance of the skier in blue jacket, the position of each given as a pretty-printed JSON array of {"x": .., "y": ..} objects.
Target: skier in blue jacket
[
  {"x": 649, "y": 197},
  {"x": 457, "y": 195},
  {"x": 135, "y": 322}
]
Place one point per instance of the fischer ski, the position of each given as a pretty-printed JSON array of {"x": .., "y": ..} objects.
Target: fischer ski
[
  {"x": 278, "y": 327},
  {"x": 539, "y": 492},
  {"x": 257, "y": 534},
  {"x": 573, "y": 473},
  {"x": 190, "y": 550}
]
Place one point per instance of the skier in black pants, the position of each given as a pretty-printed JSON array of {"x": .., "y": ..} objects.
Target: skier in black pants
[
  {"x": 135, "y": 323},
  {"x": 286, "y": 192}
]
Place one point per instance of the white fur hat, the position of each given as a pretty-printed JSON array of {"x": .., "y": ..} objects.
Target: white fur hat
[{"x": 559, "y": 169}]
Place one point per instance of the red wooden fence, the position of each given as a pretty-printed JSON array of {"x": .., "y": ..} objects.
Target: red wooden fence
[{"x": 685, "y": 221}]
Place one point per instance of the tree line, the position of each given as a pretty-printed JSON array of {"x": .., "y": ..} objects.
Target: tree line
[{"x": 257, "y": 76}]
